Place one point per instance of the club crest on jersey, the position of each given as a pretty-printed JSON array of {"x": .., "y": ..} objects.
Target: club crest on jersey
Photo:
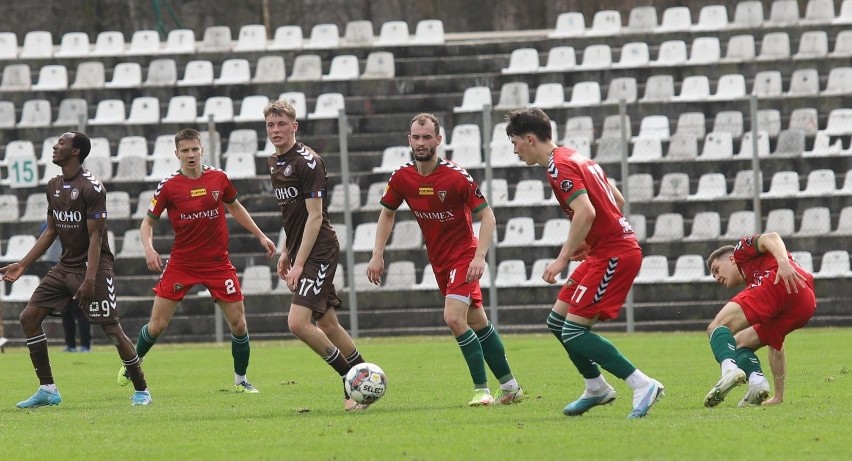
[
  {"x": 178, "y": 287},
  {"x": 198, "y": 192},
  {"x": 215, "y": 195},
  {"x": 566, "y": 185},
  {"x": 75, "y": 193},
  {"x": 287, "y": 170},
  {"x": 426, "y": 190},
  {"x": 442, "y": 194}
]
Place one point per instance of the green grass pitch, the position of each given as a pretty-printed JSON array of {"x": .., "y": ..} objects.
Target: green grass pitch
[{"x": 299, "y": 415}]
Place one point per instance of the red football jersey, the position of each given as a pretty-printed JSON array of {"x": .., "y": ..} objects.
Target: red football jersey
[
  {"x": 442, "y": 203},
  {"x": 571, "y": 174},
  {"x": 754, "y": 266},
  {"x": 197, "y": 215}
]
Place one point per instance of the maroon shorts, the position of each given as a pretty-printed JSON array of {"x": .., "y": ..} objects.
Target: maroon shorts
[
  {"x": 453, "y": 282},
  {"x": 773, "y": 312},
  {"x": 59, "y": 286},
  {"x": 315, "y": 289},
  {"x": 221, "y": 280},
  {"x": 598, "y": 286}
]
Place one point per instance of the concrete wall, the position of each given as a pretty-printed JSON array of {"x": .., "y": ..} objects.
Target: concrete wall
[{"x": 127, "y": 16}]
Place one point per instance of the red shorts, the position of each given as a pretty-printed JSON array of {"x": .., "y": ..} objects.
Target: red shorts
[
  {"x": 453, "y": 283},
  {"x": 773, "y": 312},
  {"x": 598, "y": 286},
  {"x": 178, "y": 279}
]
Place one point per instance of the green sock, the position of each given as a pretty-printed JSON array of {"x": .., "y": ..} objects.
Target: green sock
[
  {"x": 723, "y": 344},
  {"x": 586, "y": 367},
  {"x": 747, "y": 361},
  {"x": 495, "y": 353},
  {"x": 145, "y": 342},
  {"x": 584, "y": 343},
  {"x": 472, "y": 351},
  {"x": 240, "y": 350}
]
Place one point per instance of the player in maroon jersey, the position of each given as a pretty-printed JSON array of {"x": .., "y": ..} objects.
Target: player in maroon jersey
[
  {"x": 195, "y": 198},
  {"x": 778, "y": 298},
  {"x": 442, "y": 196},
  {"x": 309, "y": 261},
  {"x": 76, "y": 214},
  {"x": 601, "y": 237}
]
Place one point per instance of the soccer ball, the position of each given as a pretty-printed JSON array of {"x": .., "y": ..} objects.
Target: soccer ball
[{"x": 366, "y": 383}]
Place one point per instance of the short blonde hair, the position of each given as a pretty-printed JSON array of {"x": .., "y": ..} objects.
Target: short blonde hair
[{"x": 279, "y": 107}]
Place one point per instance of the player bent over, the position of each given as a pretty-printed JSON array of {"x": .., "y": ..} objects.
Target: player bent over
[
  {"x": 778, "y": 298},
  {"x": 195, "y": 198},
  {"x": 76, "y": 213},
  {"x": 309, "y": 261}
]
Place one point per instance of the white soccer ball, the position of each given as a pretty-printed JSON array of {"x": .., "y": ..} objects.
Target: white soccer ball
[{"x": 366, "y": 383}]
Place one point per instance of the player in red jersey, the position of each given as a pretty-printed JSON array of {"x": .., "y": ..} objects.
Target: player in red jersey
[
  {"x": 76, "y": 214},
  {"x": 442, "y": 196},
  {"x": 195, "y": 198},
  {"x": 778, "y": 298},
  {"x": 601, "y": 237},
  {"x": 309, "y": 261}
]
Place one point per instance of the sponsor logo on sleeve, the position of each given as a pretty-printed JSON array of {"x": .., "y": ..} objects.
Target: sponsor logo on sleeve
[{"x": 566, "y": 185}]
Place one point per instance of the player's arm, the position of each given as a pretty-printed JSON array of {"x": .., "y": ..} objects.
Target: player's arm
[
  {"x": 14, "y": 271},
  {"x": 146, "y": 233},
  {"x": 86, "y": 293},
  {"x": 771, "y": 243},
  {"x": 309, "y": 238},
  {"x": 778, "y": 365},
  {"x": 581, "y": 223},
  {"x": 242, "y": 216},
  {"x": 616, "y": 194},
  {"x": 376, "y": 266},
  {"x": 486, "y": 233}
]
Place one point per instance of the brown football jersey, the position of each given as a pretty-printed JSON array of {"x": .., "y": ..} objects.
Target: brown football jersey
[
  {"x": 297, "y": 175},
  {"x": 71, "y": 203}
]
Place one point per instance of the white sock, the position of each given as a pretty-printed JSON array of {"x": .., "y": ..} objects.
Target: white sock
[
  {"x": 596, "y": 384},
  {"x": 728, "y": 365},
  {"x": 239, "y": 378},
  {"x": 510, "y": 385},
  {"x": 49, "y": 387},
  {"x": 756, "y": 378},
  {"x": 637, "y": 379}
]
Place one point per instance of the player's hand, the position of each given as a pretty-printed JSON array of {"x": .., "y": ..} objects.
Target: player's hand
[
  {"x": 552, "y": 270},
  {"x": 790, "y": 276},
  {"x": 268, "y": 245},
  {"x": 153, "y": 260},
  {"x": 375, "y": 269},
  {"x": 86, "y": 293},
  {"x": 293, "y": 277},
  {"x": 12, "y": 272},
  {"x": 283, "y": 265},
  {"x": 476, "y": 268}
]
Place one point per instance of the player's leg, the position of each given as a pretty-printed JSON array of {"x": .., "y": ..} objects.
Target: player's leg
[
  {"x": 31, "y": 319},
  {"x": 132, "y": 362},
  {"x": 330, "y": 325},
  {"x": 758, "y": 386},
  {"x": 161, "y": 314},
  {"x": 455, "y": 316},
  {"x": 85, "y": 330},
  {"x": 729, "y": 320},
  {"x": 495, "y": 356},
  {"x": 69, "y": 327},
  {"x": 240, "y": 347}
]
